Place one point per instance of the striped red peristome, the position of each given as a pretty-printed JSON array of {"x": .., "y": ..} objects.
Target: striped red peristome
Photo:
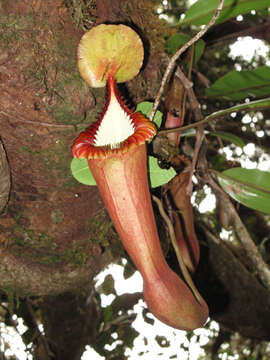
[{"x": 144, "y": 130}]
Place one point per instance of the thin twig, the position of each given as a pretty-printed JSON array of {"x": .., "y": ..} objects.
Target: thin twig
[
  {"x": 189, "y": 77},
  {"x": 188, "y": 85},
  {"x": 175, "y": 57},
  {"x": 182, "y": 265},
  {"x": 253, "y": 105},
  {"x": 169, "y": 206},
  {"x": 199, "y": 141}
]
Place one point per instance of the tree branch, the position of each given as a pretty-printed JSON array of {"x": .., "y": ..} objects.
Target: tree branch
[{"x": 253, "y": 105}]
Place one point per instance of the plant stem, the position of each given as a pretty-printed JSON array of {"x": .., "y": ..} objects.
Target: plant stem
[{"x": 253, "y": 105}]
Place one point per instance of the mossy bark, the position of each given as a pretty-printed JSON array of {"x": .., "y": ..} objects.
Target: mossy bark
[
  {"x": 4, "y": 178},
  {"x": 44, "y": 103},
  {"x": 54, "y": 233}
]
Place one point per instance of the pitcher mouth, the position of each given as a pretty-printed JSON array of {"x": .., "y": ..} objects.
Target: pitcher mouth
[{"x": 117, "y": 130}]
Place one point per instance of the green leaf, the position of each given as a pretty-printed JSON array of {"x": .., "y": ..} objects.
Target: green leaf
[
  {"x": 228, "y": 137},
  {"x": 79, "y": 167},
  {"x": 29, "y": 335},
  {"x": 108, "y": 313},
  {"x": 129, "y": 270},
  {"x": 107, "y": 287},
  {"x": 224, "y": 135},
  {"x": 202, "y": 11},
  {"x": 178, "y": 40},
  {"x": 81, "y": 172},
  {"x": 250, "y": 187},
  {"x": 125, "y": 302},
  {"x": 129, "y": 335},
  {"x": 159, "y": 176},
  {"x": 218, "y": 162},
  {"x": 145, "y": 108},
  {"x": 238, "y": 85}
]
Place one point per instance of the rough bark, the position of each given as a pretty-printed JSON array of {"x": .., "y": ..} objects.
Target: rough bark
[
  {"x": 4, "y": 178},
  {"x": 47, "y": 227},
  {"x": 55, "y": 235}
]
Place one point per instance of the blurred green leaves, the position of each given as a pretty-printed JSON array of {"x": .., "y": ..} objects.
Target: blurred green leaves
[
  {"x": 145, "y": 108},
  {"x": 236, "y": 140},
  {"x": 202, "y": 11},
  {"x": 250, "y": 187},
  {"x": 81, "y": 172},
  {"x": 159, "y": 176},
  {"x": 238, "y": 85}
]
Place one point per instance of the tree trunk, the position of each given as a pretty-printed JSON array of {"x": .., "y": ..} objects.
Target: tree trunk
[
  {"x": 4, "y": 178},
  {"x": 55, "y": 234},
  {"x": 49, "y": 221}
]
